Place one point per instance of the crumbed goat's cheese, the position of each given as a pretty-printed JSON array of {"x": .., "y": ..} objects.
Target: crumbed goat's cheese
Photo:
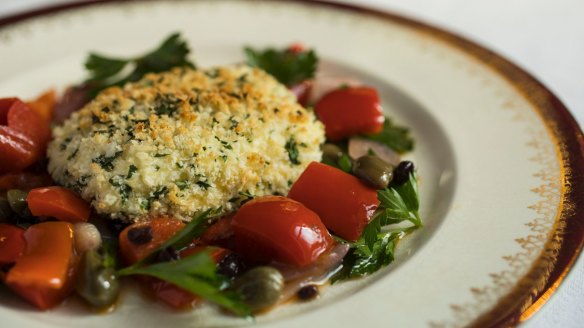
[{"x": 185, "y": 141}]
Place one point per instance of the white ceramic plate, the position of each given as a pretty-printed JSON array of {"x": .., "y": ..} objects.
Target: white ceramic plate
[{"x": 496, "y": 152}]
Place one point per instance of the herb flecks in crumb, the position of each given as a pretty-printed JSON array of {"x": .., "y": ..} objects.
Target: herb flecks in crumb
[
  {"x": 131, "y": 171},
  {"x": 292, "y": 149},
  {"x": 105, "y": 71},
  {"x": 123, "y": 188},
  {"x": 288, "y": 67},
  {"x": 107, "y": 162}
]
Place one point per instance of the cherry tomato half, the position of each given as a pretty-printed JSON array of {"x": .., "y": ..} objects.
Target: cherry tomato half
[
  {"x": 350, "y": 111},
  {"x": 342, "y": 201},
  {"x": 277, "y": 228}
]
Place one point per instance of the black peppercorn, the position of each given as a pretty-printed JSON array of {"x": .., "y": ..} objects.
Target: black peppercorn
[
  {"x": 140, "y": 235},
  {"x": 308, "y": 292},
  {"x": 402, "y": 172}
]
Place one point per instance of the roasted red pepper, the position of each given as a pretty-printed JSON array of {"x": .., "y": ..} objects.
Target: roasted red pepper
[
  {"x": 58, "y": 202},
  {"x": 342, "y": 201},
  {"x": 24, "y": 135},
  {"x": 350, "y": 111},
  {"x": 142, "y": 238},
  {"x": 44, "y": 274},
  {"x": 281, "y": 229},
  {"x": 12, "y": 243}
]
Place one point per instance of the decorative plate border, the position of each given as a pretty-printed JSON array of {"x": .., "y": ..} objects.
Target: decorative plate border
[{"x": 565, "y": 241}]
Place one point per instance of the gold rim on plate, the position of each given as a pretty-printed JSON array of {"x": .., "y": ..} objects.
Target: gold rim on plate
[{"x": 566, "y": 238}]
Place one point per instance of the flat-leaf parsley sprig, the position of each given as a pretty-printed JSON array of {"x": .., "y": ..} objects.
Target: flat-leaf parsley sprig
[
  {"x": 288, "y": 67},
  {"x": 105, "y": 71},
  {"x": 196, "y": 273},
  {"x": 375, "y": 249}
]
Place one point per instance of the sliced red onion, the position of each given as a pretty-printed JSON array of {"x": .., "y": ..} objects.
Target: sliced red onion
[
  {"x": 325, "y": 84},
  {"x": 360, "y": 147},
  {"x": 302, "y": 91},
  {"x": 317, "y": 273},
  {"x": 73, "y": 99}
]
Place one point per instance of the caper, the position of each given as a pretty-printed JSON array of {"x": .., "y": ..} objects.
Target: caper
[
  {"x": 5, "y": 210},
  {"x": 96, "y": 283},
  {"x": 331, "y": 153},
  {"x": 373, "y": 170},
  {"x": 260, "y": 287},
  {"x": 17, "y": 200}
]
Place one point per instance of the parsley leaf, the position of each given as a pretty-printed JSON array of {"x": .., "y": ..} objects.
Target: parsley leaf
[
  {"x": 292, "y": 149},
  {"x": 105, "y": 72},
  {"x": 393, "y": 136},
  {"x": 375, "y": 248},
  {"x": 196, "y": 274},
  {"x": 287, "y": 67}
]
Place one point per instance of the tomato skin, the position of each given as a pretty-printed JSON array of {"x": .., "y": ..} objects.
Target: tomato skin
[
  {"x": 44, "y": 274},
  {"x": 296, "y": 48},
  {"x": 344, "y": 204},
  {"x": 350, "y": 111},
  {"x": 24, "y": 180},
  {"x": 277, "y": 228},
  {"x": 12, "y": 243},
  {"x": 58, "y": 202},
  {"x": 24, "y": 135}
]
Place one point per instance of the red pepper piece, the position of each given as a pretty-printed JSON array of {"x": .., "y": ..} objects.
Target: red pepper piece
[
  {"x": 58, "y": 202},
  {"x": 350, "y": 111},
  {"x": 342, "y": 201}
]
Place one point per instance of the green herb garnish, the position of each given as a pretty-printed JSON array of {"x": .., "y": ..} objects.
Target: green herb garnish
[
  {"x": 182, "y": 185},
  {"x": 106, "y": 162},
  {"x": 292, "y": 149},
  {"x": 196, "y": 273},
  {"x": 203, "y": 184},
  {"x": 131, "y": 170},
  {"x": 375, "y": 249},
  {"x": 123, "y": 188},
  {"x": 286, "y": 66},
  {"x": 105, "y": 71},
  {"x": 393, "y": 136}
]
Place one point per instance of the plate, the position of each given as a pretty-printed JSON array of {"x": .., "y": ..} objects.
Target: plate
[{"x": 498, "y": 155}]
